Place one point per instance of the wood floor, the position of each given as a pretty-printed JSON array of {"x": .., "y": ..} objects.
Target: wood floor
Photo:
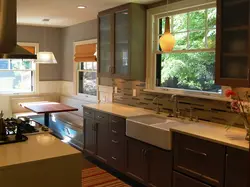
[{"x": 97, "y": 177}]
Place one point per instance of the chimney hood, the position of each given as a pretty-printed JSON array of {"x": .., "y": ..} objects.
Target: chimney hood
[{"x": 8, "y": 32}]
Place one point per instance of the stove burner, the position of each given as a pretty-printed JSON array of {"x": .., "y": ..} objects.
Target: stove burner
[{"x": 24, "y": 123}]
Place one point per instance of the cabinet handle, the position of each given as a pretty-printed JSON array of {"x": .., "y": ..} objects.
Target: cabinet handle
[
  {"x": 196, "y": 152},
  {"x": 226, "y": 162},
  {"x": 114, "y": 141},
  {"x": 88, "y": 113},
  {"x": 113, "y": 131},
  {"x": 114, "y": 158},
  {"x": 113, "y": 121},
  {"x": 100, "y": 117},
  {"x": 95, "y": 126}
]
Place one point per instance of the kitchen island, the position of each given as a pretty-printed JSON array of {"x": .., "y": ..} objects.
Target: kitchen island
[{"x": 41, "y": 161}]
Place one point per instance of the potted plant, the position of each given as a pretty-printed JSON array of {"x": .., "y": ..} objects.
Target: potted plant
[{"x": 242, "y": 108}]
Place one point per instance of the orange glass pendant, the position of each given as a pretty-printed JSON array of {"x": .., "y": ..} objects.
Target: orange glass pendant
[{"x": 167, "y": 40}]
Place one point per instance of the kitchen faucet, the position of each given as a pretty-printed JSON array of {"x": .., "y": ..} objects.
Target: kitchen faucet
[
  {"x": 157, "y": 108},
  {"x": 175, "y": 107}
]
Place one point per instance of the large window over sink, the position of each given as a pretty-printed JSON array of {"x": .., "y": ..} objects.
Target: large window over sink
[
  {"x": 190, "y": 67},
  {"x": 16, "y": 76}
]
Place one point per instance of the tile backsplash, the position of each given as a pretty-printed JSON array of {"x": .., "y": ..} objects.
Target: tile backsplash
[{"x": 205, "y": 109}]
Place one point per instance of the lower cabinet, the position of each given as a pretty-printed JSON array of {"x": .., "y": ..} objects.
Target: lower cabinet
[
  {"x": 180, "y": 180},
  {"x": 237, "y": 168},
  {"x": 89, "y": 136},
  {"x": 148, "y": 164},
  {"x": 102, "y": 146}
]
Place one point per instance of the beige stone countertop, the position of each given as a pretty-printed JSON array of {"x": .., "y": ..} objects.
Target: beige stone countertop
[
  {"x": 37, "y": 147},
  {"x": 119, "y": 109},
  {"x": 233, "y": 137}
]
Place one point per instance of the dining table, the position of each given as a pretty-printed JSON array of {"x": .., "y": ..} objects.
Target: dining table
[{"x": 46, "y": 108}]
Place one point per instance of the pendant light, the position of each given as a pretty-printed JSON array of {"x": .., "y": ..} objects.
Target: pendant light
[
  {"x": 167, "y": 40},
  {"x": 45, "y": 57}
]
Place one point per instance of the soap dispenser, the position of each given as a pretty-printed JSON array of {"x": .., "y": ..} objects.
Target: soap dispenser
[{"x": 3, "y": 135}]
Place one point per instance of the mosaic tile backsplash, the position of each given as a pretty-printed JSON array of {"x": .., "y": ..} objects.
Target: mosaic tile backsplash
[{"x": 204, "y": 109}]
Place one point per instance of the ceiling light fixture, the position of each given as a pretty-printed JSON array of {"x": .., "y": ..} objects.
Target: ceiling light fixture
[
  {"x": 167, "y": 40},
  {"x": 45, "y": 57},
  {"x": 81, "y": 7}
]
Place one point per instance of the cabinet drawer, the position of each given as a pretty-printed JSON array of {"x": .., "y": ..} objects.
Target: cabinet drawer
[
  {"x": 180, "y": 180},
  {"x": 117, "y": 125},
  {"x": 117, "y": 150},
  {"x": 88, "y": 112},
  {"x": 100, "y": 116},
  {"x": 200, "y": 159}
]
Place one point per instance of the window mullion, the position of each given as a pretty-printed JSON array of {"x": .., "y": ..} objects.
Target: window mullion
[
  {"x": 206, "y": 27},
  {"x": 188, "y": 45}
]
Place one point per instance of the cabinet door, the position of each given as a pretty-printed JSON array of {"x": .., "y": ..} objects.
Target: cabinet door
[
  {"x": 136, "y": 164},
  {"x": 159, "y": 167},
  {"x": 89, "y": 136},
  {"x": 232, "y": 45},
  {"x": 237, "y": 168},
  {"x": 122, "y": 43},
  {"x": 102, "y": 133},
  {"x": 180, "y": 180},
  {"x": 106, "y": 45}
]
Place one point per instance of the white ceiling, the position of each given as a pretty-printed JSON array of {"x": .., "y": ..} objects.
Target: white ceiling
[{"x": 63, "y": 13}]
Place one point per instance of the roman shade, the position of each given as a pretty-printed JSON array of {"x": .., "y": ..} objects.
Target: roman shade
[
  {"x": 31, "y": 49},
  {"x": 85, "y": 53}
]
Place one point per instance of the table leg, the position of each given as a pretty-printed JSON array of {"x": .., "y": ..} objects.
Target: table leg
[{"x": 46, "y": 119}]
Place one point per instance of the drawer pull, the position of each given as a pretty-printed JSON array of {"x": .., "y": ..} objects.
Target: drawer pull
[
  {"x": 88, "y": 113},
  {"x": 196, "y": 152},
  {"x": 100, "y": 117},
  {"x": 114, "y": 141},
  {"x": 114, "y": 158},
  {"x": 113, "y": 131},
  {"x": 113, "y": 121}
]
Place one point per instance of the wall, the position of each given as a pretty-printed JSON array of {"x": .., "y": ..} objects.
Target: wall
[
  {"x": 79, "y": 32},
  {"x": 52, "y": 43}
]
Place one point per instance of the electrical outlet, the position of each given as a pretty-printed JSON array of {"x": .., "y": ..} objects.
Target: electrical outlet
[
  {"x": 116, "y": 89},
  {"x": 134, "y": 92}
]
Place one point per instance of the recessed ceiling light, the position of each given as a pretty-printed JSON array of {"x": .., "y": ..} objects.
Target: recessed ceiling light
[{"x": 81, "y": 7}]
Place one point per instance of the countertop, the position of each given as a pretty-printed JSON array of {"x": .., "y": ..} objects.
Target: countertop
[
  {"x": 233, "y": 137},
  {"x": 37, "y": 147},
  {"x": 119, "y": 109}
]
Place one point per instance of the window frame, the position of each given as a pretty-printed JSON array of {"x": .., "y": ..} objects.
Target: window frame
[
  {"x": 153, "y": 15},
  {"x": 35, "y": 73},
  {"x": 77, "y": 70}
]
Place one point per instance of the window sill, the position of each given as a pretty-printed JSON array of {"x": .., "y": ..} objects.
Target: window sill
[
  {"x": 18, "y": 94},
  {"x": 191, "y": 94}
]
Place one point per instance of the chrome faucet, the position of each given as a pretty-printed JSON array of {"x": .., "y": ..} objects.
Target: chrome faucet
[
  {"x": 175, "y": 108},
  {"x": 158, "y": 110}
]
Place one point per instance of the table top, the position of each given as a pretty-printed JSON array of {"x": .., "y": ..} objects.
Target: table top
[{"x": 47, "y": 107}]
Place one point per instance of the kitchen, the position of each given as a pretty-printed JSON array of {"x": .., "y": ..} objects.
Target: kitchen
[{"x": 149, "y": 94}]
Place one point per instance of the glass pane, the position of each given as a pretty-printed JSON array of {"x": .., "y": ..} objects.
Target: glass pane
[
  {"x": 180, "y": 23},
  {"x": 95, "y": 65},
  {"x": 121, "y": 43},
  {"x": 19, "y": 64},
  {"x": 4, "y": 64},
  {"x": 16, "y": 81},
  {"x": 196, "y": 20},
  {"x": 197, "y": 40},
  {"x": 87, "y": 83},
  {"x": 193, "y": 71},
  {"x": 211, "y": 38},
  {"x": 181, "y": 41},
  {"x": 105, "y": 45},
  {"x": 211, "y": 18}
]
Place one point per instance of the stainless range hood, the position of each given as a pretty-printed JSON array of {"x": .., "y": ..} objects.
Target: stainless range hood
[{"x": 8, "y": 32}]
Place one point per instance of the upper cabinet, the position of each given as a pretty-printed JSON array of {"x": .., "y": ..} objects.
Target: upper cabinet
[
  {"x": 122, "y": 42},
  {"x": 232, "y": 50}
]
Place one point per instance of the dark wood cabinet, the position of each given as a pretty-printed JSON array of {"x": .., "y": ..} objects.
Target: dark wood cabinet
[
  {"x": 147, "y": 164},
  {"x": 180, "y": 180},
  {"x": 199, "y": 159},
  {"x": 233, "y": 45},
  {"x": 102, "y": 135},
  {"x": 237, "y": 168},
  {"x": 122, "y": 31},
  {"x": 136, "y": 164},
  {"x": 89, "y": 136},
  {"x": 159, "y": 167}
]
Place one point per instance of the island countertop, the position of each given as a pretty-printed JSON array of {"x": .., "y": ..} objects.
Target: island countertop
[{"x": 37, "y": 147}]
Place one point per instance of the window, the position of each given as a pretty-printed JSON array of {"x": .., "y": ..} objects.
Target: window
[
  {"x": 191, "y": 64},
  {"x": 17, "y": 76},
  {"x": 87, "y": 78}
]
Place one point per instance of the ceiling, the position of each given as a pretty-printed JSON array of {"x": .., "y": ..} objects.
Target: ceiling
[{"x": 63, "y": 13}]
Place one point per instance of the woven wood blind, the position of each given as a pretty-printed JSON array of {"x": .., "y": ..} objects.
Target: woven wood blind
[
  {"x": 31, "y": 49},
  {"x": 85, "y": 53}
]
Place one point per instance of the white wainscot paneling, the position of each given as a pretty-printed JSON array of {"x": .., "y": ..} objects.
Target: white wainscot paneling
[{"x": 50, "y": 87}]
